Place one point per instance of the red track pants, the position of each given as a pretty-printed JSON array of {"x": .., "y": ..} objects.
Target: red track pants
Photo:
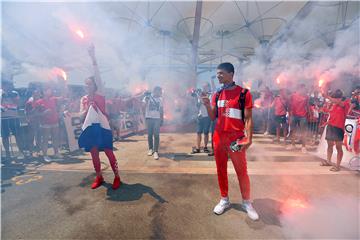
[
  {"x": 222, "y": 150},
  {"x": 96, "y": 160}
]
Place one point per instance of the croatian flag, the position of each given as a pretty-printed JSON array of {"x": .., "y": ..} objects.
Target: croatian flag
[{"x": 96, "y": 131}]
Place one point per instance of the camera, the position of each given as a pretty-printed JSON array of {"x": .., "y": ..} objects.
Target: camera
[
  {"x": 196, "y": 92},
  {"x": 147, "y": 93}
]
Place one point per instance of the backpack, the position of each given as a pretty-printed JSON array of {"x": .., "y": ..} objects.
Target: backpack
[{"x": 241, "y": 102}]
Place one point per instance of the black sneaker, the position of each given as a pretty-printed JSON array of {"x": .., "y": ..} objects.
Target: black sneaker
[{"x": 206, "y": 150}]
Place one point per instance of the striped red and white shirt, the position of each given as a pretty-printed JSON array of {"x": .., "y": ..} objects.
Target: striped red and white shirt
[{"x": 229, "y": 113}]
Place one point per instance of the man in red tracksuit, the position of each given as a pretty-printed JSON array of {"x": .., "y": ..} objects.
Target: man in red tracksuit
[{"x": 232, "y": 124}]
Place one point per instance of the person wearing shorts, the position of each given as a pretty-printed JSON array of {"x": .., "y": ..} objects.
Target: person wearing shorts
[
  {"x": 335, "y": 128},
  {"x": 10, "y": 122},
  {"x": 299, "y": 108},
  {"x": 33, "y": 119},
  {"x": 203, "y": 122},
  {"x": 49, "y": 123},
  {"x": 280, "y": 108}
]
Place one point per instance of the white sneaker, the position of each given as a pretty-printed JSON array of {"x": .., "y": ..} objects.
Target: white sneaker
[
  {"x": 221, "y": 206},
  {"x": 303, "y": 150},
  {"x": 150, "y": 152},
  {"x": 47, "y": 159},
  {"x": 266, "y": 133},
  {"x": 249, "y": 209},
  {"x": 156, "y": 156}
]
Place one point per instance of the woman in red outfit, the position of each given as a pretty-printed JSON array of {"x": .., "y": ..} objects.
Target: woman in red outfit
[
  {"x": 96, "y": 99},
  {"x": 335, "y": 128}
]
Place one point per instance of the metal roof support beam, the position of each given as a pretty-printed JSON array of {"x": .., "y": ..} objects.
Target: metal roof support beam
[
  {"x": 286, "y": 33},
  {"x": 195, "y": 40}
]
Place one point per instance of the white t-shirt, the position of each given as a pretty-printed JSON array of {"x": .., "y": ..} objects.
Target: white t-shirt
[
  {"x": 202, "y": 109},
  {"x": 153, "y": 106}
]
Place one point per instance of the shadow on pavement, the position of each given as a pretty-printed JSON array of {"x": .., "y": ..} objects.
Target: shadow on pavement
[
  {"x": 269, "y": 211},
  {"x": 126, "y": 192},
  {"x": 186, "y": 156},
  {"x": 12, "y": 167},
  {"x": 131, "y": 192}
]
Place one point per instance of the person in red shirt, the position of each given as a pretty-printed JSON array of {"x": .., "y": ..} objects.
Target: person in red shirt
[
  {"x": 49, "y": 122},
  {"x": 313, "y": 120},
  {"x": 232, "y": 125},
  {"x": 299, "y": 109},
  {"x": 73, "y": 104},
  {"x": 96, "y": 99},
  {"x": 335, "y": 128},
  {"x": 33, "y": 119},
  {"x": 280, "y": 108}
]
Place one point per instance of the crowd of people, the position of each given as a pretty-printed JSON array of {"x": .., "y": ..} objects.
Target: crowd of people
[
  {"x": 297, "y": 116},
  {"x": 35, "y": 117},
  {"x": 31, "y": 118},
  {"x": 303, "y": 114},
  {"x": 226, "y": 113}
]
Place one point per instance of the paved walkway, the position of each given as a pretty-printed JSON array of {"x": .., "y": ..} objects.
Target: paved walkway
[{"x": 173, "y": 197}]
